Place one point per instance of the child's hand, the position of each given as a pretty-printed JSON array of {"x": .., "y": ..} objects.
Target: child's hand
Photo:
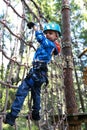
[{"x": 35, "y": 28}]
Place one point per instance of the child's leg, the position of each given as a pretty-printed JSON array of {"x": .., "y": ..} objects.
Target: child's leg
[
  {"x": 22, "y": 92},
  {"x": 20, "y": 97},
  {"x": 35, "y": 93}
]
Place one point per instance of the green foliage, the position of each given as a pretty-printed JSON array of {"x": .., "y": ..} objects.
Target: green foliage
[
  {"x": 21, "y": 124},
  {"x": 51, "y": 10},
  {"x": 83, "y": 36}
]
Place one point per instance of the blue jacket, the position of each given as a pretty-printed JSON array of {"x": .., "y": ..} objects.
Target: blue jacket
[{"x": 46, "y": 48}]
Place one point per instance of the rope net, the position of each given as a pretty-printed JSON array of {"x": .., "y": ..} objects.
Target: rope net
[{"x": 17, "y": 46}]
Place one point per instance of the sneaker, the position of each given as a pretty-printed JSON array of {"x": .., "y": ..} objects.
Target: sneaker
[
  {"x": 10, "y": 119},
  {"x": 34, "y": 116}
]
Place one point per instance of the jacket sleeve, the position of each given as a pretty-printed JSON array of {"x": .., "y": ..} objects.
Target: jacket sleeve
[
  {"x": 43, "y": 40},
  {"x": 39, "y": 36}
]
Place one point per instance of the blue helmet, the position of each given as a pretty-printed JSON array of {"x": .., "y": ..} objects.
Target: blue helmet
[{"x": 52, "y": 26}]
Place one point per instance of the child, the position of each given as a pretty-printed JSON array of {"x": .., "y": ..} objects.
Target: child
[{"x": 38, "y": 73}]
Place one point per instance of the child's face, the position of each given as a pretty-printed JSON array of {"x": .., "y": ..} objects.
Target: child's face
[{"x": 51, "y": 35}]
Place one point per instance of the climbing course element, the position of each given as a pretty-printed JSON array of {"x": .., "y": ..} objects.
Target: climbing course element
[
  {"x": 17, "y": 50},
  {"x": 84, "y": 51}
]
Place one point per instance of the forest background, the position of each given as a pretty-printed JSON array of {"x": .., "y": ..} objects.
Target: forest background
[{"x": 48, "y": 12}]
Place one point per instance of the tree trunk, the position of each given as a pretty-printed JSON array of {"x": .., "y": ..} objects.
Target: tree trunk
[{"x": 68, "y": 63}]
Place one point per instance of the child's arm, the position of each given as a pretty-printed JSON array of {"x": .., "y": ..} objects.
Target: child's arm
[{"x": 38, "y": 33}]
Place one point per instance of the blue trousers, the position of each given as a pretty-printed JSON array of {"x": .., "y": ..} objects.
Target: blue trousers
[{"x": 33, "y": 83}]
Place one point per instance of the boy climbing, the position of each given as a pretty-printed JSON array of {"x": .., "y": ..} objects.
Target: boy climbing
[{"x": 38, "y": 73}]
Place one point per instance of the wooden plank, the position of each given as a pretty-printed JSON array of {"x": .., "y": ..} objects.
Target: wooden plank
[{"x": 73, "y": 118}]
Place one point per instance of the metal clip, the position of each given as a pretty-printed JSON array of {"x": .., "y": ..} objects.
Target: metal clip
[
  {"x": 68, "y": 62},
  {"x": 65, "y": 6},
  {"x": 66, "y": 44}
]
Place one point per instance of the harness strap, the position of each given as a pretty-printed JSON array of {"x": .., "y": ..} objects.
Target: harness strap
[{"x": 40, "y": 66}]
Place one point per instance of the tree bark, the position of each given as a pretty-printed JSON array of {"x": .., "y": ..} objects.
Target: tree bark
[{"x": 68, "y": 60}]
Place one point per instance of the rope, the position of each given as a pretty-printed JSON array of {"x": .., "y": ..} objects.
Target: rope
[{"x": 53, "y": 111}]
